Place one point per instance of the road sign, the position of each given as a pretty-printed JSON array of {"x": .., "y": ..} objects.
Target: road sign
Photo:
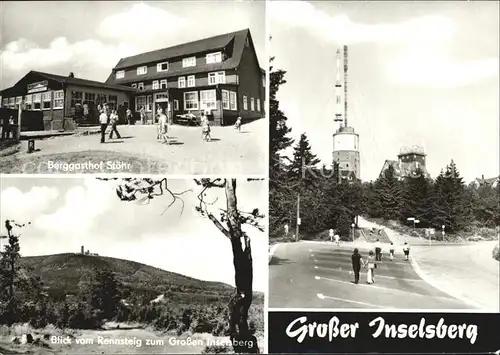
[
  {"x": 331, "y": 232},
  {"x": 299, "y": 221},
  {"x": 410, "y": 219}
]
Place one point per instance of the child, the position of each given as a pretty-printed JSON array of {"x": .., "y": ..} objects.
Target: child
[
  {"x": 337, "y": 240},
  {"x": 406, "y": 250},
  {"x": 237, "y": 125},
  {"x": 391, "y": 251},
  {"x": 205, "y": 127},
  {"x": 162, "y": 126},
  {"x": 371, "y": 268}
]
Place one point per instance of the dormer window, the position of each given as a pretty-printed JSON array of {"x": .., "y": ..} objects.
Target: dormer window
[
  {"x": 214, "y": 58},
  {"x": 120, "y": 74},
  {"x": 142, "y": 70},
  {"x": 162, "y": 67},
  {"x": 189, "y": 62}
]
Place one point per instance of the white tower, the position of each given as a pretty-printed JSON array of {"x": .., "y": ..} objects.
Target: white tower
[{"x": 345, "y": 139}]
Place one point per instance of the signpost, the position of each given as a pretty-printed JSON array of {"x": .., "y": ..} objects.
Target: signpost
[
  {"x": 443, "y": 231},
  {"x": 298, "y": 218}
]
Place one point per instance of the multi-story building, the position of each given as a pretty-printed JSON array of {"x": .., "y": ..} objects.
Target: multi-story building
[
  {"x": 219, "y": 75},
  {"x": 409, "y": 160},
  {"x": 492, "y": 182}
]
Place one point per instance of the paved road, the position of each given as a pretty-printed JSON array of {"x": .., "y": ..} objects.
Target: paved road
[
  {"x": 230, "y": 152},
  {"x": 319, "y": 275}
]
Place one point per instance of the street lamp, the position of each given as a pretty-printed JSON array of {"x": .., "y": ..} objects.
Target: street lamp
[{"x": 352, "y": 226}]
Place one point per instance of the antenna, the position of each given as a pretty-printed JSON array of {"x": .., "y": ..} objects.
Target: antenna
[
  {"x": 345, "y": 86},
  {"x": 338, "y": 92}
]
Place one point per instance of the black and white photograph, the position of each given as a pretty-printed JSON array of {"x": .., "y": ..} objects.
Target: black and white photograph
[
  {"x": 384, "y": 166},
  {"x": 154, "y": 87},
  {"x": 132, "y": 265}
]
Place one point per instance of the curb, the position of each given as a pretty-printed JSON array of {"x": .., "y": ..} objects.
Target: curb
[{"x": 431, "y": 282}]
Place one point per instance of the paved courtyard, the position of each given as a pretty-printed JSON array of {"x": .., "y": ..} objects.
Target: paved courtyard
[{"x": 229, "y": 153}]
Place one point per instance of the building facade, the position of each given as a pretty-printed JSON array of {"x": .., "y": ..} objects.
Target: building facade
[
  {"x": 409, "y": 160},
  {"x": 346, "y": 152},
  {"x": 62, "y": 98},
  {"x": 218, "y": 75}
]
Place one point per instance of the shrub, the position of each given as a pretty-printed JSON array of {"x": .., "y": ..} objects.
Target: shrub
[
  {"x": 218, "y": 349},
  {"x": 496, "y": 252}
]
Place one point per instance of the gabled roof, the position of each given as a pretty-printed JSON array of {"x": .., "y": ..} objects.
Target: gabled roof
[
  {"x": 489, "y": 181},
  {"x": 233, "y": 42},
  {"x": 71, "y": 80},
  {"x": 181, "y": 50},
  {"x": 403, "y": 169}
]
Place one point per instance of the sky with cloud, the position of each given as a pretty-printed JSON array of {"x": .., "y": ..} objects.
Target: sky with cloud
[
  {"x": 420, "y": 73},
  {"x": 89, "y": 37},
  {"x": 66, "y": 213}
]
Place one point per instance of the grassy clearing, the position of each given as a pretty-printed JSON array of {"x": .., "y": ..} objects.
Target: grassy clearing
[{"x": 109, "y": 162}]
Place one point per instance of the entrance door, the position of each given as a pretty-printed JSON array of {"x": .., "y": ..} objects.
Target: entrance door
[{"x": 161, "y": 101}]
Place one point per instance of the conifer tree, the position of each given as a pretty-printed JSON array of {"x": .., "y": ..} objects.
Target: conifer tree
[
  {"x": 303, "y": 161},
  {"x": 387, "y": 192},
  {"x": 9, "y": 275},
  {"x": 416, "y": 199}
]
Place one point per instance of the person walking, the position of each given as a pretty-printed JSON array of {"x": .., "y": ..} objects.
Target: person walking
[
  {"x": 391, "y": 251},
  {"x": 103, "y": 120},
  {"x": 143, "y": 115},
  {"x": 113, "y": 120},
  {"x": 337, "y": 240},
  {"x": 237, "y": 125},
  {"x": 205, "y": 128},
  {"x": 330, "y": 234},
  {"x": 406, "y": 250},
  {"x": 162, "y": 126},
  {"x": 370, "y": 274},
  {"x": 357, "y": 261},
  {"x": 286, "y": 229},
  {"x": 378, "y": 251},
  {"x": 129, "y": 116}
]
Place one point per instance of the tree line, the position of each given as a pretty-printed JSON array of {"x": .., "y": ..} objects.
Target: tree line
[{"x": 329, "y": 202}]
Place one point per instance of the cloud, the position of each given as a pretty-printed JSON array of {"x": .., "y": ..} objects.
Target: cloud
[
  {"x": 343, "y": 30},
  {"x": 431, "y": 66},
  {"x": 82, "y": 208},
  {"x": 24, "y": 206},
  {"x": 142, "y": 22}
]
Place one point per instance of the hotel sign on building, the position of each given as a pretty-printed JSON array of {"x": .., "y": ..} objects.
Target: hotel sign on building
[{"x": 38, "y": 87}]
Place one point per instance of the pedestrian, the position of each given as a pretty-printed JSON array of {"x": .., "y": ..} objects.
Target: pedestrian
[
  {"x": 237, "y": 125},
  {"x": 103, "y": 120},
  {"x": 205, "y": 128},
  {"x": 337, "y": 240},
  {"x": 406, "y": 250},
  {"x": 286, "y": 229},
  {"x": 378, "y": 251},
  {"x": 330, "y": 233},
  {"x": 357, "y": 261},
  {"x": 113, "y": 120},
  {"x": 370, "y": 274},
  {"x": 162, "y": 126},
  {"x": 129, "y": 116},
  {"x": 8, "y": 127},
  {"x": 143, "y": 115},
  {"x": 391, "y": 251}
]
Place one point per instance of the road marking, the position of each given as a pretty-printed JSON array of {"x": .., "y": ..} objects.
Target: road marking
[
  {"x": 323, "y": 297},
  {"x": 386, "y": 277},
  {"x": 389, "y": 289}
]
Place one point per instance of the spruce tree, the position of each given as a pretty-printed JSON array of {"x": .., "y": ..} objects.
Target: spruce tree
[
  {"x": 387, "y": 190},
  {"x": 9, "y": 275},
  {"x": 416, "y": 199},
  {"x": 303, "y": 161}
]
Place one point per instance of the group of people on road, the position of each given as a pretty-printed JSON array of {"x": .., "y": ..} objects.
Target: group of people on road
[
  {"x": 108, "y": 118},
  {"x": 8, "y": 128},
  {"x": 371, "y": 261}
]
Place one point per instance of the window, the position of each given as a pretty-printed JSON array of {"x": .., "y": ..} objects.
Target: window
[
  {"x": 5, "y": 102},
  {"x": 176, "y": 105},
  {"x": 28, "y": 100},
  {"x": 208, "y": 100},
  {"x": 225, "y": 99},
  {"x": 142, "y": 70},
  {"x": 233, "y": 101},
  {"x": 113, "y": 98},
  {"x": 258, "y": 109},
  {"x": 37, "y": 101},
  {"x": 181, "y": 82},
  {"x": 59, "y": 99},
  {"x": 217, "y": 78},
  {"x": 252, "y": 104},
  {"x": 214, "y": 58},
  {"x": 76, "y": 97},
  {"x": 47, "y": 100},
  {"x": 191, "y": 81},
  {"x": 163, "y": 84},
  {"x": 140, "y": 101},
  {"x": 90, "y": 97},
  {"x": 120, "y": 74},
  {"x": 19, "y": 100},
  {"x": 245, "y": 103},
  {"x": 189, "y": 62},
  {"x": 149, "y": 103},
  {"x": 191, "y": 100},
  {"x": 162, "y": 66},
  {"x": 12, "y": 102},
  {"x": 156, "y": 85},
  {"x": 140, "y": 86},
  {"x": 134, "y": 86}
]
